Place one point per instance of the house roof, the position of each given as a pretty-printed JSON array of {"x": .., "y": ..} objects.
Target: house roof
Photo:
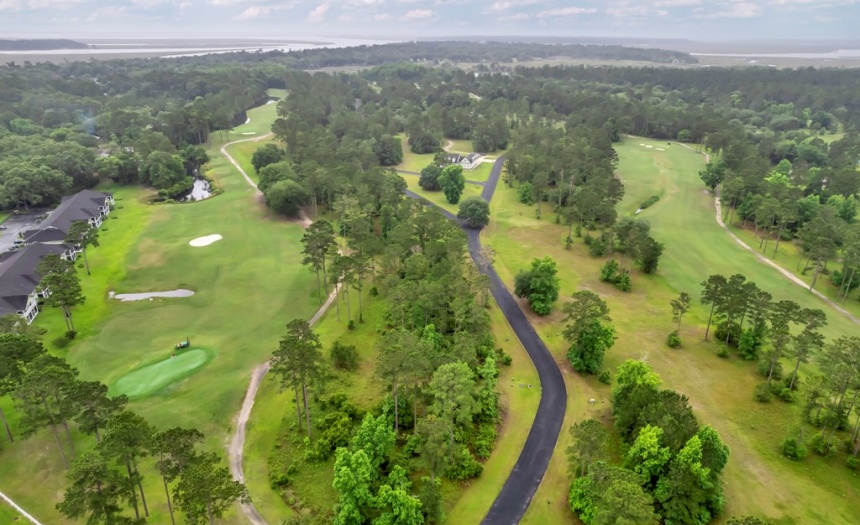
[
  {"x": 82, "y": 206},
  {"x": 18, "y": 277}
]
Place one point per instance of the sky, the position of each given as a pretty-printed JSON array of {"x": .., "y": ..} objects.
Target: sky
[{"x": 715, "y": 20}]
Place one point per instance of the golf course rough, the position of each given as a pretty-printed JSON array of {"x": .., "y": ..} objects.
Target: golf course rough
[
  {"x": 205, "y": 240},
  {"x": 155, "y": 377}
]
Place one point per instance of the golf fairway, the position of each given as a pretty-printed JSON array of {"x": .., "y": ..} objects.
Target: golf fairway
[{"x": 152, "y": 378}]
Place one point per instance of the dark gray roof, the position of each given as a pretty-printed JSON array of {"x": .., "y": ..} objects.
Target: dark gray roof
[
  {"x": 82, "y": 206},
  {"x": 18, "y": 277},
  {"x": 49, "y": 234}
]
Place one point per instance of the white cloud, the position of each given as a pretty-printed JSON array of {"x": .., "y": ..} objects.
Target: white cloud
[
  {"x": 382, "y": 17},
  {"x": 677, "y": 3},
  {"x": 567, "y": 11},
  {"x": 418, "y": 14},
  {"x": 514, "y": 18},
  {"x": 734, "y": 10},
  {"x": 260, "y": 11},
  {"x": 32, "y": 5},
  {"x": 364, "y": 3},
  {"x": 318, "y": 13},
  {"x": 635, "y": 11},
  {"x": 505, "y": 5}
]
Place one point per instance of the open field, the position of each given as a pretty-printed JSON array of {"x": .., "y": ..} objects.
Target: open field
[
  {"x": 757, "y": 480},
  {"x": 462, "y": 146},
  {"x": 480, "y": 174},
  {"x": 248, "y": 286}
]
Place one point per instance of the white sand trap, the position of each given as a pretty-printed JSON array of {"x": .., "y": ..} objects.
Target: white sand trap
[
  {"x": 649, "y": 146},
  {"x": 248, "y": 120},
  {"x": 204, "y": 241},
  {"x": 641, "y": 144},
  {"x": 149, "y": 295},
  {"x": 271, "y": 102},
  {"x": 638, "y": 211},
  {"x": 659, "y": 149},
  {"x": 249, "y": 133}
]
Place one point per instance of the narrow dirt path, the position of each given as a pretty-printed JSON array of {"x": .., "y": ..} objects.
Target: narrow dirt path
[
  {"x": 235, "y": 451},
  {"x": 21, "y": 511},
  {"x": 786, "y": 273},
  {"x": 236, "y": 164}
]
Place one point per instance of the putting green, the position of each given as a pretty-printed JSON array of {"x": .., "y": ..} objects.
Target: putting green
[{"x": 154, "y": 377}]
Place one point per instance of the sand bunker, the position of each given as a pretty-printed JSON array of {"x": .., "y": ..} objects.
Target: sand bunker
[
  {"x": 659, "y": 149},
  {"x": 249, "y": 133},
  {"x": 205, "y": 240},
  {"x": 149, "y": 295},
  {"x": 155, "y": 377},
  {"x": 649, "y": 146}
]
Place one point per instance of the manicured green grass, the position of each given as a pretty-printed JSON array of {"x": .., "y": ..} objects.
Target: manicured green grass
[
  {"x": 757, "y": 480},
  {"x": 437, "y": 197},
  {"x": 248, "y": 286},
  {"x": 151, "y": 379},
  {"x": 481, "y": 172},
  {"x": 520, "y": 390},
  {"x": 791, "y": 257},
  {"x": 412, "y": 161},
  {"x": 243, "y": 152},
  {"x": 462, "y": 146},
  {"x": 260, "y": 124}
]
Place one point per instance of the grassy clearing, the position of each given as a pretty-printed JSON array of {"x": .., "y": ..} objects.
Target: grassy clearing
[
  {"x": 243, "y": 152},
  {"x": 244, "y": 296},
  {"x": 437, "y": 197},
  {"x": 790, "y": 256},
  {"x": 480, "y": 174},
  {"x": 412, "y": 161},
  {"x": 462, "y": 146},
  {"x": 757, "y": 480}
]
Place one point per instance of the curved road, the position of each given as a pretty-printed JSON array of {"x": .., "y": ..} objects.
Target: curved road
[{"x": 521, "y": 485}]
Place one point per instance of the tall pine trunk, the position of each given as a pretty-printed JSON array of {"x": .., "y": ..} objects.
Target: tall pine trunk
[
  {"x": 140, "y": 486},
  {"x": 710, "y": 317},
  {"x": 778, "y": 238},
  {"x": 86, "y": 261},
  {"x": 307, "y": 411},
  {"x": 131, "y": 486},
  {"x": 6, "y": 426},
  {"x": 319, "y": 293},
  {"x": 298, "y": 407},
  {"x": 396, "y": 407},
  {"x": 169, "y": 503},
  {"x": 56, "y": 434}
]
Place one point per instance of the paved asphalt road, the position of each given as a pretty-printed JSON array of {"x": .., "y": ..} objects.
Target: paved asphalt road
[
  {"x": 521, "y": 485},
  {"x": 15, "y": 224}
]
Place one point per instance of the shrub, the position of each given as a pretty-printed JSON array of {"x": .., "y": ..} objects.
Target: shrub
[
  {"x": 624, "y": 284},
  {"x": 581, "y": 499},
  {"x": 464, "y": 466},
  {"x": 485, "y": 440},
  {"x": 853, "y": 463},
  {"x": 344, "y": 357},
  {"x": 723, "y": 352},
  {"x": 782, "y": 392},
  {"x": 71, "y": 334},
  {"x": 764, "y": 369},
  {"x": 820, "y": 445},
  {"x": 609, "y": 271},
  {"x": 793, "y": 449},
  {"x": 374, "y": 291},
  {"x": 338, "y": 429},
  {"x": 673, "y": 340},
  {"x": 762, "y": 393},
  {"x": 750, "y": 343},
  {"x": 650, "y": 201},
  {"x": 733, "y": 332},
  {"x": 605, "y": 377},
  {"x": 278, "y": 480},
  {"x": 350, "y": 325},
  {"x": 525, "y": 193},
  {"x": 502, "y": 357},
  {"x": 597, "y": 248}
]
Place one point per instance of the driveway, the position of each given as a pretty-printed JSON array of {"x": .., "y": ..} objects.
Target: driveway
[{"x": 16, "y": 224}]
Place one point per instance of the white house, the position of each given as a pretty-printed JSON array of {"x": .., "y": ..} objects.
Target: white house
[
  {"x": 469, "y": 162},
  {"x": 86, "y": 205},
  {"x": 19, "y": 281}
]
